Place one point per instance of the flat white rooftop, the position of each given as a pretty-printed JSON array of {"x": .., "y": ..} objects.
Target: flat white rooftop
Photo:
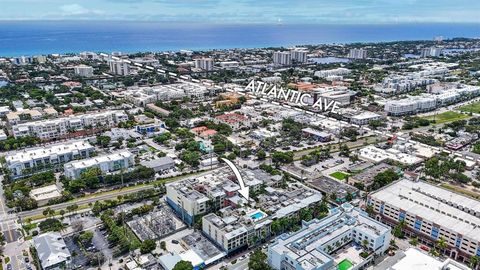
[
  {"x": 87, "y": 163},
  {"x": 47, "y": 151},
  {"x": 419, "y": 260},
  {"x": 434, "y": 204}
]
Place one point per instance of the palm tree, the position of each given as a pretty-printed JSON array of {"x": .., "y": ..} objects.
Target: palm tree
[
  {"x": 474, "y": 261},
  {"x": 441, "y": 244},
  {"x": 414, "y": 241}
]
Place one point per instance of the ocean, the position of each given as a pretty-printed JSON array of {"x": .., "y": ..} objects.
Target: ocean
[{"x": 45, "y": 37}]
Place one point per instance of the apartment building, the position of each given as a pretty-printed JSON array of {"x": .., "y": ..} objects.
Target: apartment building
[
  {"x": 236, "y": 229},
  {"x": 27, "y": 161},
  {"x": 83, "y": 70},
  {"x": 141, "y": 96},
  {"x": 299, "y": 55},
  {"x": 428, "y": 102},
  {"x": 119, "y": 67},
  {"x": 332, "y": 72},
  {"x": 107, "y": 164},
  {"x": 56, "y": 128},
  {"x": 357, "y": 54},
  {"x": 315, "y": 246},
  {"x": 282, "y": 58},
  {"x": 194, "y": 197},
  {"x": 204, "y": 64},
  {"x": 430, "y": 213}
]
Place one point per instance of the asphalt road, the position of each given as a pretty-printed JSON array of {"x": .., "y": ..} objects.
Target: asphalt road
[{"x": 99, "y": 197}]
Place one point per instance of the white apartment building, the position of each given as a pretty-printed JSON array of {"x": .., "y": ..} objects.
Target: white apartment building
[
  {"x": 428, "y": 102},
  {"x": 357, "y": 54},
  {"x": 141, "y": 96},
  {"x": 332, "y": 72},
  {"x": 430, "y": 52},
  {"x": 299, "y": 55},
  {"x": 187, "y": 200},
  {"x": 56, "y": 128},
  {"x": 236, "y": 229},
  {"x": 119, "y": 67},
  {"x": 204, "y": 64},
  {"x": 315, "y": 245},
  {"x": 229, "y": 64},
  {"x": 282, "y": 58},
  {"x": 106, "y": 163},
  {"x": 430, "y": 213},
  {"x": 40, "y": 158},
  {"x": 83, "y": 70}
]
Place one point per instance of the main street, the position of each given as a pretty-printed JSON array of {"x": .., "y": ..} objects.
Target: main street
[{"x": 107, "y": 195}]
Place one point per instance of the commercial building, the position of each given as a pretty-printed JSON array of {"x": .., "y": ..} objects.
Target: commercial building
[
  {"x": 342, "y": 97},
  {"x": 27, "y": 161},
  {"x": 234, "y": 120},
  {"x": 43, "y": 195},
  {"x": 52, "y": 251},
  {"x": 419, "y": 260},
  {"x": 377, "y": 155},
  {"x": 119, "y": 67},
  {"x": 282, "y": 58},
  {"x": 106, "y": 163},
  {"x": 357, "y": 54},
  {"x": 364, "y": 118},
  {"x": 83, "y": 70},
  {"x": 56, "y": 128},
  {"x": 317, "y": 135},
  {"x": 204, "y": 64},
  {"x": 314, "y": 246},
  {"x": 159, "y": 164},
  {"x": 194, "y": 248},
  {"x": 151, "y": 129},
  {"x": 431, "y": 213}
]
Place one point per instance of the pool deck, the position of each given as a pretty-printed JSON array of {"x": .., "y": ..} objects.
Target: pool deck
[{"x": 350, "y": 253}]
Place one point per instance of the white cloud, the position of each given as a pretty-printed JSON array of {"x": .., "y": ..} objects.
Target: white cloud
[{"x": 77, "y": 10}]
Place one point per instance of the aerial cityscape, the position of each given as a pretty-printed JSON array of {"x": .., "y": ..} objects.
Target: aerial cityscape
[{"x": 132, "y": 138}]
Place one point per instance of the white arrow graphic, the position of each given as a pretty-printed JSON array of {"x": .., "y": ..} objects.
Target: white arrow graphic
[{"x": 243, "y": 189}]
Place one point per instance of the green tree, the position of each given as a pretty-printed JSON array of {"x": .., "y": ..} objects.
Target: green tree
[
  {"x": 48, "y": 212},
  {"x": 474, "y": 261},
  {"x": 258, "y": 261},
  {"x": 183, "y": 265},
  {"x": 261, "y": 155},
  {"x": 85, "y": 237},
  {"x": 147, "y": 246}
]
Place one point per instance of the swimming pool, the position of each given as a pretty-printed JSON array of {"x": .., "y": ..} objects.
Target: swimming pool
[
  {"x": 257, "y": 215},
  {"x": 344, "y": 265}
]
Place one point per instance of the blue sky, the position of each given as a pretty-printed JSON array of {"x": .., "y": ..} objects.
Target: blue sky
[{"x": 247, "y": 11}]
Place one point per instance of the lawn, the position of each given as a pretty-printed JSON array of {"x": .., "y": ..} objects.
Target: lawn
[
  {"x": 344, "y": 265},
  {"x": 474, "y": 108},
  {"x": 446, "y": 117},
  {"x": 339, "y": 175}
]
